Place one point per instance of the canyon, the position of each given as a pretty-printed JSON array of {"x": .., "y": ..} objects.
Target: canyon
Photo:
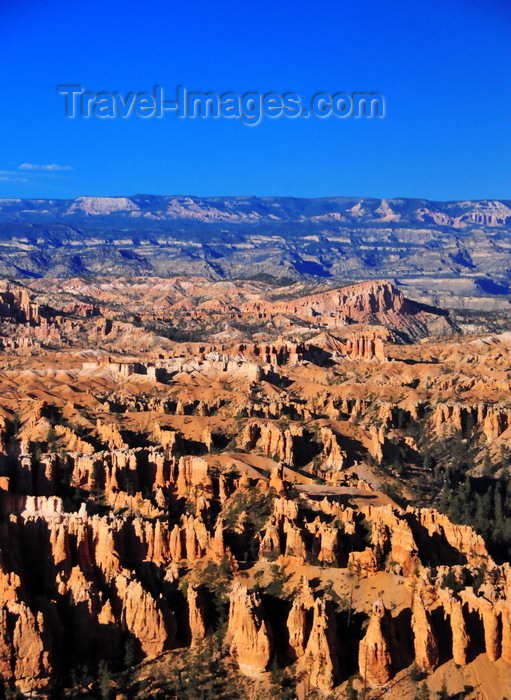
[{"x": 248, "y": 490}]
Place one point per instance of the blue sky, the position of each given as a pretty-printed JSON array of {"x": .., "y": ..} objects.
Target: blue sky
[{"x": 442, "y": 66}]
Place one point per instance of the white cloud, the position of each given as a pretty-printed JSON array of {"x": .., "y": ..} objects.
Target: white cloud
[
  {"x": 33, "y": 173},
  {"x": 52, "y": 167},
  {"x": 11, "y": 176}
]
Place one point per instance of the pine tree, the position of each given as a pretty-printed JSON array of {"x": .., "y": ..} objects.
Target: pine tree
[
  {"x": 443, "y": 694},
  {"x": 105, "y": 679},
  {"x": 415, "y": 673},
  {"x": 424, "y": 692},
  {"x": 351, "y": 693},
  {"x": 129, "y": 653}
]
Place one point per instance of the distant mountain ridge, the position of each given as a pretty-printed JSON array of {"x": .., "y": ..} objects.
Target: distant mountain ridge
[
  {"x": 442, "y": 251},
  {"x": 232, "y": 210}
]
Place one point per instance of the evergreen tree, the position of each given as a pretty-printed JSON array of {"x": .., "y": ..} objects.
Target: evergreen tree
[
  {"x": 351, "y": 693},
  {"x": 105, "y": 680},
  {"x": 415, "y": 673},
  {"x": 129, "y": 653},
  {"x": 424, "y": 692},
  {"x": 443, "y": 694}
]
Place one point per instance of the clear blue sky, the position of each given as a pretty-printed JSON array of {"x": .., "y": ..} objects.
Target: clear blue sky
[{"x": 442, "y": 65}]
